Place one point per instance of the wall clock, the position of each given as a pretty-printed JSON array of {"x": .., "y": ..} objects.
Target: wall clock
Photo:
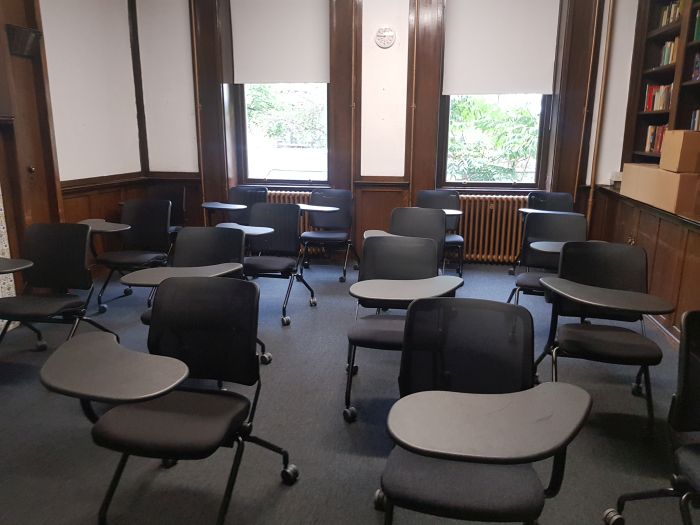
[{"x": 385, "y": 37}]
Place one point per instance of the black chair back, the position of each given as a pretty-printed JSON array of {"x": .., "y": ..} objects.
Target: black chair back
[
  {"x": 388, "y": 257},
  {"x": 176, "y": 196},
  {"x": 441, "y": 199},
  {"x": 209, "y": 323},
  {"x": 202, "y": 246},
  {"x": 284, "y": 219},
  {"x": 337, "y": 220},
  {"x": 466, "y": 345},
  {"x": 420, "y": 222},
  {"x": 684, "y": 415},
  {"x": 550, "y": 201},
  {"x": 606, "y": 265},
  {"x": 150, "y": 221},
  {"x": 59, "y": 253},
  {"x": 248, "y": 195},
  {"x": 549, "y": 227}
]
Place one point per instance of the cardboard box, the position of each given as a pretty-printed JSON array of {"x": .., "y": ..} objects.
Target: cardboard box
[
  {"x": 680, "y": 151},
  {"x": 674, "y": 192}
]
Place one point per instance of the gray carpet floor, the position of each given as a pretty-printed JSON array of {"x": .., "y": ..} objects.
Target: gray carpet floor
[{"x": 52, "y": 473}]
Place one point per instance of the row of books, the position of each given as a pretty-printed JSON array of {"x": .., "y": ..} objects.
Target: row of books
[
  {"x": 668, "y": 52},
  {"x": 695, "y": 120},
  {"x": 655, "y": 136},
  {"x": 670, "y": 13},
  {"x": 696, "y": 31},
  {"x": 658, "y": 97}
]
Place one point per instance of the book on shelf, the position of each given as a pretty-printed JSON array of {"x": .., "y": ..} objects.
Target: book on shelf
[
  {"x": 695, "y": 120},
  {"x": 668, "y": 52},
  {"x": 658, "y": 97},
  {"x": 696, "y": 67},
  {"x": 670, "y": 13},
  {"x": 696, "y": 31},
  {"x": 655, "y": 137}
]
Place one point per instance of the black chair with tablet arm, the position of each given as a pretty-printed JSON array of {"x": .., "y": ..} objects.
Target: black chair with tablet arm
[
  {"x": 332, "y": 229},
  {"x": 449, "y": 200},
  {"x": 472, "y": 346},
  {"x": 248, "y": 196},
  {"x": 684, "y": 425},
  {"x": 210, "y": 324},
  {"x": 420, "y": 222},
  {"x": 550, "y": 201},
  {"x": 59, "y": 254}
]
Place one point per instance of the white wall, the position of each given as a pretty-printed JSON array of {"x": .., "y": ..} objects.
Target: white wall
[
  {"x": 612, "y": 128},
  {"x": 384, "y": 75},
  {"x": 92, "y": 87},
  {"x": 168, "y": 88}
]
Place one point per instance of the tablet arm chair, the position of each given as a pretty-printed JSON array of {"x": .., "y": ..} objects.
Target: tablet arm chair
[
  {"x": 550, "y": 201},
  {"x": 420, "y": 222},
  {"x": 145, "y": 245},
  {"x": 604, "y": 265},
  {"x": 209, "y": 323},
  {"x": 277, "y": 255},
  {"x": 472, "y": 346},
  {"x": 416, "y": 257},
  {"x": 177, "y": 198},
  {"x": 332, "y": 229},
  {"x": 684, "y": 423},
  {"x": 544, "y": 227},
  {"x": 248, "y": 196},
  {"x": 59, "y": 253},
  {"x": 446, "y": 199}
]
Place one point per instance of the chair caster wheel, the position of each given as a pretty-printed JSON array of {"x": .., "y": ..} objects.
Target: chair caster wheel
[
  {"x": 128, "y": 291},
  {"x": 354, "y": 369},
  {"x": 306, "y": 264},
  {"x": 265, "y": 358},
  {"x": 290, "y": 474},
  {"x": 637, "y": 390},
  {"x": 612, "y": 517},
  {"x": 286, "y": 321},
  {"x": 168, "y": 463},
  {"x": 102, "y": 308},
  {"x": 341, "y": 279},
  {"x": 41, "y": 346},
  {"x": 379, "y": 500},
  {"x": 349, "y": 414},
  {"x": 312, "y": 301},
  {"x": 511, "y": 272}
]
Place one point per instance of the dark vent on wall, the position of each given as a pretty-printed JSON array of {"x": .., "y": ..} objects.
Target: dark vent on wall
[{"x": 23, "y": 41}]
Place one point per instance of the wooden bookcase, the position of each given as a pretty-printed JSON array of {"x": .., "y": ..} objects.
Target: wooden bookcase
[{"x": 646, "y": 70}]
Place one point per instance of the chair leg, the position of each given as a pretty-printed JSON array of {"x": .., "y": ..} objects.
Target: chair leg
[
  {"x": 231, "y": 482},
  {"x": 73, "y": 328},
  {"x": 112, "y": 488},
  {"x": 40, "y": 343},
  {"x": 4, "y": 330},
  {"x": 349, "y": 412},
  {"x": 517, "y": 297},
  {"x": 290, "y": 472},
  {"x": 637, "y": 385},
  {"x": 554, "y": 363},
  {"x": 647, "y": 494},
  {"x": 357, "y": 257},
  {"x": 649, "y": 399},
  {"x": 345, "y": 263},
  {"x": 460, "y": 248},
  {"x": 100, "y": 306},
  {"x": 388, "y": 512},
  {"x": 304, "y": 259},
  {"x": 285, "y": 319},
  {"x": 512, "y": 294},
  {"x": 312, "y": 301},
  {"x": 684, "y": 504},
  {"x": 151, "y": 295},
  {"x": 99, "y": 326}
]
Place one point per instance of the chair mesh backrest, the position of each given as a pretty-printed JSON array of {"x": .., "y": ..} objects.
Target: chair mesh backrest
[
  {"x": 603, "y": 264},
  {"x": 176, "y": 196},
  {"x": 59, "y": 253},
  {"x": 337, "y": 220},
  {"x": 441, "y": 199},
  {"x": 248, "y": 195},
  {"x": 201, "y": 246},
  {"x": 466, "y": 345},
  {"x": 684, "y": 415},
  {"x": 284, "y": 219},
  {"x": 149, "y": 220},
  {"x": 398, "y": 258},
  {"x": 420, "y": 222},
  {"x": 549, "y": 227},
  {"x": 550, "y": 201},
  {"x": 211, "y": 324}
]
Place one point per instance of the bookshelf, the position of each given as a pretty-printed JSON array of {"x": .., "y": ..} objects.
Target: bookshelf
[{"x": 664, "y": 91}]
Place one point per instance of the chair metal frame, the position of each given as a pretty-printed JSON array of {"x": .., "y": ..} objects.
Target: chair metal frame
[{"x": 445, "y": 199}]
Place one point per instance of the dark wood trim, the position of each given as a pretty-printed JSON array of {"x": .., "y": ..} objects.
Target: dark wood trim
[
  {"x": 173, "y": 175},
  {"x": 107, "y": 181},
  {"x": 138, "y": 85},
  {"x": 384, "y": 183},
  {"x": 240, "y": 124},
  {"x": 356, "y": 83},
  {"x": 411, "y": 90}
]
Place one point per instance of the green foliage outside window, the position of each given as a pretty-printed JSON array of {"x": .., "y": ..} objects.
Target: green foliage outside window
[{"x": 493, "y": 138}]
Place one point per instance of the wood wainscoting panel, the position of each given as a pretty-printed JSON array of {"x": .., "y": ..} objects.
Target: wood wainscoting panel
[
  {"x": 689, "y": 297},
  {"x": 667, "y": 265},
  {"x": 647, "y": 234},
  {"x": 373, "y": 205}
]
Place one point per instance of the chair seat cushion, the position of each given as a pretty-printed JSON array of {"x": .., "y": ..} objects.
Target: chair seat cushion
[
  {"x": 132, "y": 258},
  {"x": 607, "y": 344},
  {"x": 178, "y": 425},
  {"x": 530, "y": 280},
  {"x": 384, "y": 332},
  {"x": 452, "y": 239},
  {"x": 462, "y": 490},
  {"x": 268, "y": 264},
  {"x": 323, "y": 236},
  {"x": 688, "y": 461},
  {"x": 37, "y": 306}
]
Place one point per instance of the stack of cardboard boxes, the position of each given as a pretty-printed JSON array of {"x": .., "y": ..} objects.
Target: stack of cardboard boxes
[{"x": 674, "y": 183}]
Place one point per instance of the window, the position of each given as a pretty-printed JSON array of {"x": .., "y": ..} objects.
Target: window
[
  {"x": 492, "y": 140},
  {"x": 286, "y": 132}
]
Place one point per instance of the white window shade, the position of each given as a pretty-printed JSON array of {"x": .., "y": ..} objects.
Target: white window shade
[
  {"x": 500, "y": 47},
  {"x": 280, "y": 41}
]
